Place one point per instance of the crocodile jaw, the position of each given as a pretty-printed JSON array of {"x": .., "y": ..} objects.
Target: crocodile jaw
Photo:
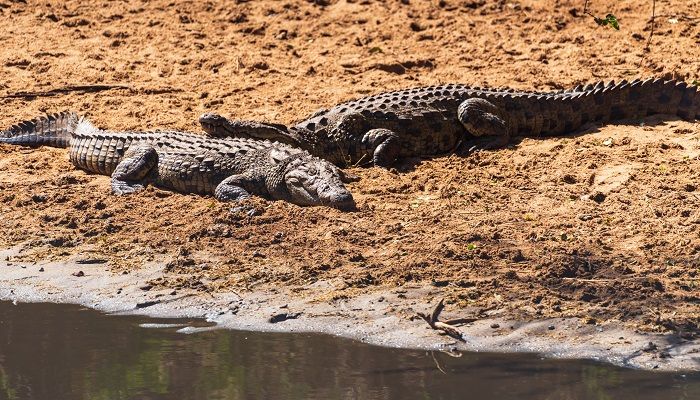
[{"x": 316, "y": 182}]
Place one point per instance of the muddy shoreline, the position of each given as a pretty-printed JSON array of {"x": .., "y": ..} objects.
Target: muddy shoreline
[{"x": 379, "y": 317}]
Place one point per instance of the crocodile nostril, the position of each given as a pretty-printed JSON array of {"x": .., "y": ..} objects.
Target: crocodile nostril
[{"x": 341, "y": 200}]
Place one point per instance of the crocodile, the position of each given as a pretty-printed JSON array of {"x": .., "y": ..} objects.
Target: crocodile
[
  {"x": 434, "y": 120},
  {"x": 229, "y": 169}
]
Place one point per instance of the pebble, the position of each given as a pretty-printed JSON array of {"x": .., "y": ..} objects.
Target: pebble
[{"x": 598, "y": 197}]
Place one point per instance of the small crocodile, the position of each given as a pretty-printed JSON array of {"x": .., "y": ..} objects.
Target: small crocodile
[
  {"x": 435, "y": 120},
  {"x": 230, "y": 169}
]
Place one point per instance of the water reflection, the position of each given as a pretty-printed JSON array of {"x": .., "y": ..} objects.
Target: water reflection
[{"x": 65, "y": 352}]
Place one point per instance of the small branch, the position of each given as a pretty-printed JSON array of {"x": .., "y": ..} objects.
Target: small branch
[
  {"x": 653, "y": 18},
  {"x": 449, "y": 330},
  {"x": 585, "y": 10},
  {"x": 609, "y": 280},
  {"x": 433, "y": 321},
  {"x": 461, "y": 321},
  {"x": 680, "y": 17},
  {"x": 609, "y": 20},
  {"x": 67, "y": 89}
]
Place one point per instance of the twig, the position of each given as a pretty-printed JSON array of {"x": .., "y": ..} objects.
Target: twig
[
  {"x": 680, "y": 17},
  {"x": 461, "y": 321},
  {"x": 606, "y": 280},
  {"x": 609, "y": 19},
  {"x": 67, "y": 89},
  {"x": 433, "y": 321},
  {"x": 653, "y": 17},
  {"x": 585, "y": 10}
]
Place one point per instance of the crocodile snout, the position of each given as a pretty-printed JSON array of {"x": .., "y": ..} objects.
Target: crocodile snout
[
  {"x": 340, "y": 199},
  {"x": 210, "y": 122}
]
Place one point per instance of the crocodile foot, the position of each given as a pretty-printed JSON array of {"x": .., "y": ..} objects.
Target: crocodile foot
[
  {"x": 482, "y": 119},
  {"x": 384, "y": 146}
]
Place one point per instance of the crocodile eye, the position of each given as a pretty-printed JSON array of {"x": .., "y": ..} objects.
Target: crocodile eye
[{"x": 294, "y": 181}]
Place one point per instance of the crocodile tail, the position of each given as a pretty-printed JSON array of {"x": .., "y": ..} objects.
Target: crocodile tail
[
  {"x": 695, "y": 92},
  {"x": 669, "y": 97},
  {"x": 54, "y": 130},
  {"x": 641, "y": 98}
]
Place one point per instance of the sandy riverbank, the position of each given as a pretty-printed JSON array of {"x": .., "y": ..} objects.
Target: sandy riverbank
[{"x": 586, "y": 232}]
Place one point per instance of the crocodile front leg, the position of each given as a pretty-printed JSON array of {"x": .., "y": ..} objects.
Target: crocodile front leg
[
  {"x": 236, "y": 187},
  {"x": 383, "y": 145},
  {"x": 354, "y": 141},
  {"x": 130, "y": 174},
  {"x": 483, "y": 120}
]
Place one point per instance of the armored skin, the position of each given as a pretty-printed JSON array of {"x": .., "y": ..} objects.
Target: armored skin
[
  {"x": 229, "y": 169},
  {"x": 434, "y": 120}
]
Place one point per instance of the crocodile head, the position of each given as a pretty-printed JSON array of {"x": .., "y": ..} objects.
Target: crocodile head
[{"x": 311, "y": 181}]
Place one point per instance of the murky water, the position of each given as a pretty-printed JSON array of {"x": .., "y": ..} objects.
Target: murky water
[{"x": 65, "y": 352}]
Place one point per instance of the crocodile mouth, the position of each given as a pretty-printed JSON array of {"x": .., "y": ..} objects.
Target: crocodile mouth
[
  {"x": 342, "y": 201},
  {"x": 210, "y": 121}
]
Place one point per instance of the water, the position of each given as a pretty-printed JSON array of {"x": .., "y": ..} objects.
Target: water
[{"x": 50, "y": 351}]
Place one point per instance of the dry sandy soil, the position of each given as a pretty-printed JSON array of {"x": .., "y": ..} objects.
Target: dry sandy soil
[{"x": 603, "y": 225}]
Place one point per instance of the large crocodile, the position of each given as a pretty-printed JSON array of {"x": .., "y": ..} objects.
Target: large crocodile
[
  {"x": 434, "y": 120},
  {"x": 230, "y": 169}
]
